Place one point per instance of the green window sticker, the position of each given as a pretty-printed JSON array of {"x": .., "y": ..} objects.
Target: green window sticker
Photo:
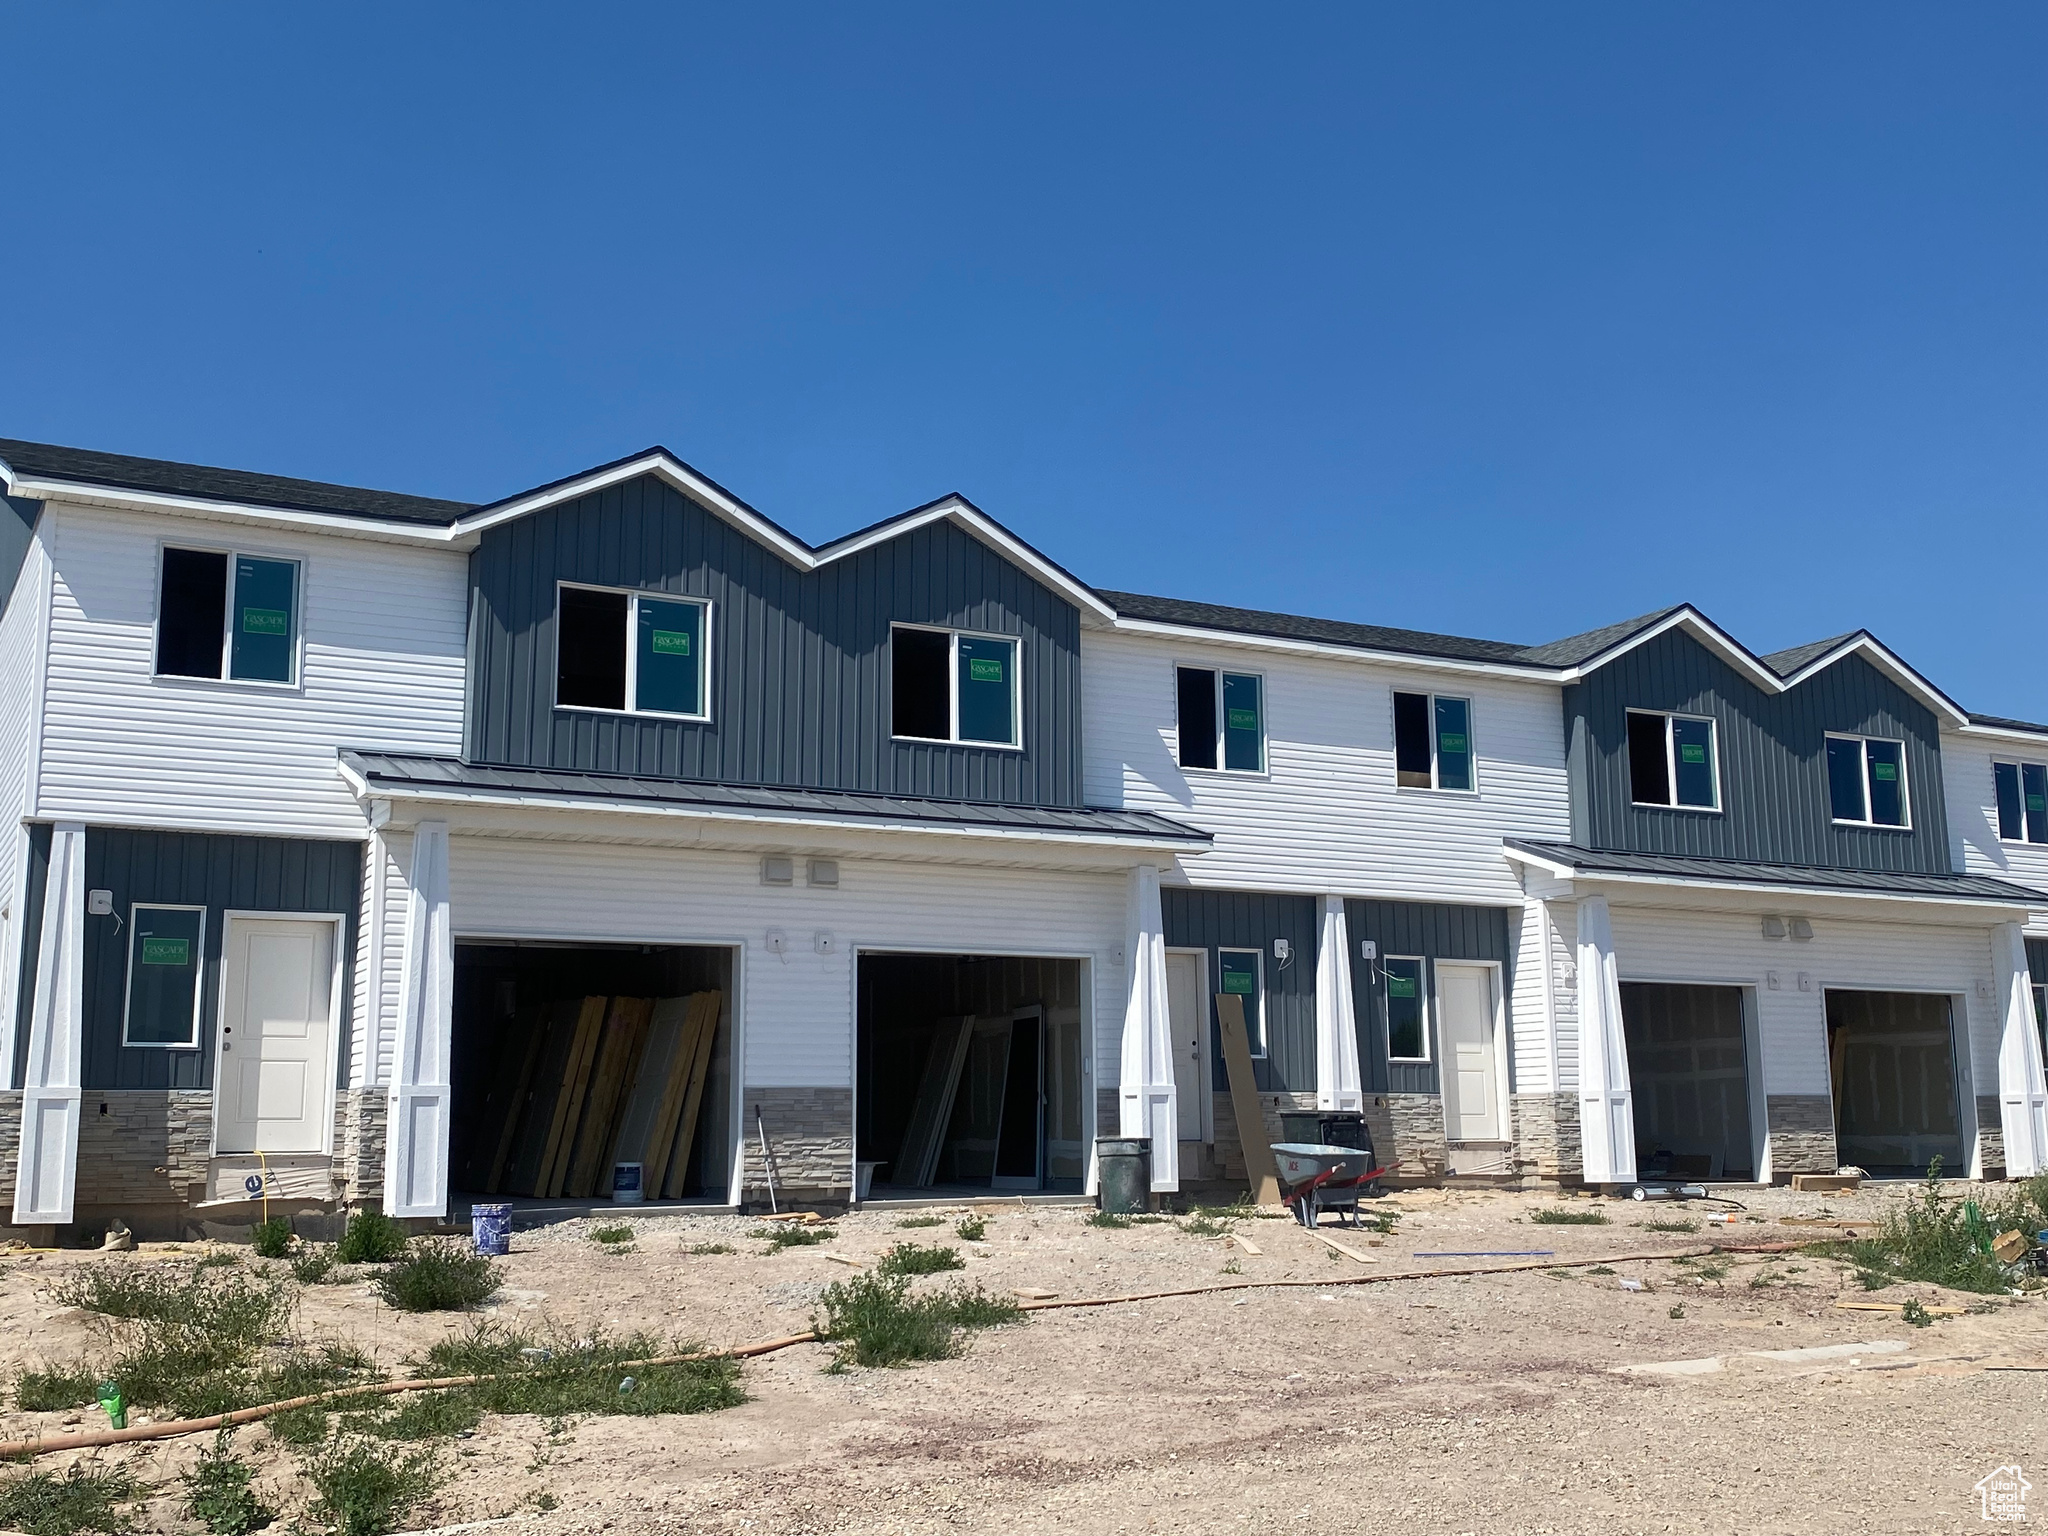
[
  {"x": 671, "y": 642},
  {"x": 1885, "y": 771},
  {"x": 2037, "y": 802},
  {"x": 985, "y": 669},
  {"x": 1400, "y": 986},
  {"x": 158, "y": 951},
  {"x": 1692, "y": 754},
  {"x": 1450, "y": 741},
  {"x": 1244, "y": 719},
  {"x": 1239, "y": 982},
  {"x": 265, "y": 621}
]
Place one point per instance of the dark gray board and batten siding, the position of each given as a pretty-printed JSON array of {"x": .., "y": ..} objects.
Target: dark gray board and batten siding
[
  {"x": 1435, "y": 932},
  {"x": 1773, "y": 762},
  {"x": 220, "y": 872},
  {"x": 800, "y": 660}
]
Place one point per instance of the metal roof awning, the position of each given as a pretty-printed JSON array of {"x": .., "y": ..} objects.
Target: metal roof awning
[
  {"x": 395, "y": 776},
  {"x": 1566, "y": 861}
]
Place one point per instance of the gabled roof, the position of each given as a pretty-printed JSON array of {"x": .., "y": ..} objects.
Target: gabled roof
[
  {"x": 1575, "y": 650},
  {"x": 84, "y": 466}
]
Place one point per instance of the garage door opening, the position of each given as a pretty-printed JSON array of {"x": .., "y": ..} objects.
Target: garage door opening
[
  {"x": 971, "y": 1074},
  {"x": 571, "y": 1059},
  {"x": 1688, "y": 1070},
  {"x": 1893, "y": 1064}
]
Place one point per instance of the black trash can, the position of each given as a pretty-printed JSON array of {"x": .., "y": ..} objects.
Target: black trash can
[
  {"x": 1327, "y": 1128},
  {"x": 1124, "y": 1169}
]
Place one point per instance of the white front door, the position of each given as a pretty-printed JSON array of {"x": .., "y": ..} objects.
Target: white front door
[
  {"x": 1187, "y": 1013},
  {"x": 1471, "y": 1064},
  {"x": 274, "y": 1090}
]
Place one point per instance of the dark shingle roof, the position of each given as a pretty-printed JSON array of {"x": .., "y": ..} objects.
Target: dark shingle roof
[
  {"x": 1287, "y": 626},
  {"x": 173, "y": 479},
  {"x": 1573, "y": 649},
  {"x": 1599, "y": 861},
  {"x": 1785, "y": 663},
  {"x": 392, "y": 770},
  {"x": 2001, "y": 723}
]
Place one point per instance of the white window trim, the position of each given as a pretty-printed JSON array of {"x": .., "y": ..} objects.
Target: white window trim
[
  {"x": 1260, "y": 1045},
  {"x": 198, "y": 977},
  {"x": 296, "y": 683},
  {"x": 1265, "y": 768},
  {"x": 1422, "y": 990},
  {"x": 1671, "y": 763},
  {"x": 633, "y": 595},
  {"x": 1905, "y": 799},
  {"x": 955, "y": 636},
  {"x": 2020, "y": 767},
  {"x": 1435, "y": 786}
]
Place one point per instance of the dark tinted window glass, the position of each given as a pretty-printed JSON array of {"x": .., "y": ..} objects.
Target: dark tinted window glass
[
  {"x": 164, "y": 955},
  {"x": 2034, "y": 794},
  {"x": 2006, "y": 778},
  {"x": 1411, "y": 740},
  {"x": 669, "y": 671},
  {"x": 1197, "y": 716},
  {"x": 1887, "y": 782},
  {"x": 191, "y": 612},
  {"x": 1693, "y": 742},
  {"x": 1244, "y": 745},
  {"x": 1404, "y": 1010},
  {"x": 590, "y": 643},
  {"x": 988, "y": 690},
  {"x": 1845, "y": 779},
  {"x": 1453, "y": 744},
  {"x": 921, "y": 684},
  {"x": 265, "y": 638},
  {"x": 1649, "y": 779},
  {"x": 1239, "y": 973}
]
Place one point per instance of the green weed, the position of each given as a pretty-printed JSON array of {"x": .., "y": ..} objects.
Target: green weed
[
  {"x": 915, "y": 1259},
  {"x": 424, "y": 1416},
  {"x": 791, "y": 1234},
  {"x": 876, "y": 1321},
  {"x": 218, "y": 1495},
  {"x": 311, "y": 1265},
  {"x": 439, "y": 1277},
  {"x": 188, "y": 1340},
  {"x": 1677, "y": 1312},
  {"x": 971, "y": 1229},
  {"x": 365, "y": 1489},
  {"x": 370, "y": 1237},
  {"x": 1558, "y": 1216},
  {"x": 556, "y": 1375},
  {"x": 1108, "y": 1219},
  {"x": 1600, "y": 1269},
  {"x": 612, "y": 1236},
  {"x": 705, "y": 1250},
  {"x": 220, "y": 1258},
  {"x": 82, "y": 1498},
  {"x": 272, "y": 1239},
  {"x": 1671, "y": 1226},
  {"x": 1912, "y": 1312},
  {"x": 1933, "y": 1238},
  {"x": 920, "y": 1221},
  {"x": 57, "y": 1388}
]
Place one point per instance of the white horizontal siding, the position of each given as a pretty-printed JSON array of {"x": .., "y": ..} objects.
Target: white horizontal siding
[
  {"x": 1972, "y": 798},
  {"x": 380, "y": 950},
  {"x": 1535, "y": 1066},
  {"x": 383, "y": 669},
  {"x": 1327, "y": 816},
  {"x": 797, "y": 1007},
  {"x": 21, "y": 659},
  {"x": 1728, "y": 948}
]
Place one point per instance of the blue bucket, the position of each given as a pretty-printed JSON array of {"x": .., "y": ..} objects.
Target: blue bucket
[{"x": 490, "y": 1229}]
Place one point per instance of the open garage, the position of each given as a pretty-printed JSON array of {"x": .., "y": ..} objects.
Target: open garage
[
  {"x": 1892, "y": 1057},
  {"x": 1688, "y": 1064}
]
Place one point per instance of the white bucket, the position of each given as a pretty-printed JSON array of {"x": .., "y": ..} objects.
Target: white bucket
[{"x": 626, "y": 1188}]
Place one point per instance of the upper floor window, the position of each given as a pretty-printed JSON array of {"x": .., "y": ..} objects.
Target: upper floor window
[
  {"x": 1432, "y": 742},
  {"x": 228, "y": 615},
  {"x": 1671, "y": 761},
  {"x": 633, "y": 652},
  {"x": 1221, "y": 719},
  {"x": 2022, "y": 801},
  {"x": 1867, "y": 780},
  {"x": 948, "y": 686}
]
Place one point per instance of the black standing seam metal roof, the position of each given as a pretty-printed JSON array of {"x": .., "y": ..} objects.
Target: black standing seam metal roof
[
  {"x": 393, "y": 770},
  {"x": 1598, "y": 861}
]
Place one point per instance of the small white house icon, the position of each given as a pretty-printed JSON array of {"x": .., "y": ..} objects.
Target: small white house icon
[{"x": 2002, "y": 1493}]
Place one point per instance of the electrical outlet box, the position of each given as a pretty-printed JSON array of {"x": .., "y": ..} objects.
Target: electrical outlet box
[
  {"x": 99, "y": 903},
  {"x": 824, "y": 943},
  {"x": 777, "y": 941},
  {"x": 1368, "y": 950}
]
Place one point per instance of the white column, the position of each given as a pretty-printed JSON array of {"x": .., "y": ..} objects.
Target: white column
[
  {"x": 1146, "y": 1104},
  {"x": 416, "y": 1134},
  {"x": 2022, "y": 1094},
  {"x": 46, "y": 1174},
  {"x": 1607, "y": 1126},
  {"x": 1339, "y": 1084}
]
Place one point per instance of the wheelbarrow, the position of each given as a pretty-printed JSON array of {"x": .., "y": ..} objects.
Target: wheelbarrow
[{"x": 1314, "y": 1179}]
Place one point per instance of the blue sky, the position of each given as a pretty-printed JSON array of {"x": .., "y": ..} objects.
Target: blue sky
[{"x": 1502, "y": 320}]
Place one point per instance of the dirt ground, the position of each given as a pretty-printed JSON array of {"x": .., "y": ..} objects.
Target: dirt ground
[{"x": 1487, "y": 1403}]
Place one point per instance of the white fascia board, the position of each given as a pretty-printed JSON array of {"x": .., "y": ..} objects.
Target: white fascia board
[
  {"x": 537, "y": 802},
  {"x": 1888, "y": 663},
  {"x": 1231, "y": 637},
  {"x": 1760, "y": 888},
  {"x": 662, "y": 466},
  {"x": 79, "y": 493},
  {"x": 1703, "y": 629},
  {"x": 977, "y": 524},
  {"x": 2003, "y": 733}
]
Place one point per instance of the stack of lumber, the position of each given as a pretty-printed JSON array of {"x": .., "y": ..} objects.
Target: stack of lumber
[{"x": 597, "y": 1081}]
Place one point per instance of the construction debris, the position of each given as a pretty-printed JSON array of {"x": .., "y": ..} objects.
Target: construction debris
[
  {"x": 1826, "y": 1183},
  {"x": 1344, "y": 1248}
]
